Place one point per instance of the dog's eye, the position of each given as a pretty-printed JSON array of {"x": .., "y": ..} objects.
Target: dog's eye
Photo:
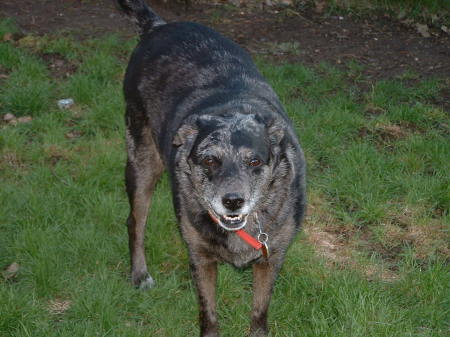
[
  {"x": 210, "y": 162},
  {"x": 254, "y": 162}
]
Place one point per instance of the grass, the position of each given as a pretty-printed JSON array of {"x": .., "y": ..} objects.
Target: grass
[
  {"x": 378, "y": 181},
  {"x": 434, "y": 12}
]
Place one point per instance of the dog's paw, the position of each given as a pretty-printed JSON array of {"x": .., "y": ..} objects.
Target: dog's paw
[
  {"x": 211, "y": 334},
  {"x": 147, "y": 283},
  {"x": 259, "y": 333},
  {"x": 143, "y": 281}
]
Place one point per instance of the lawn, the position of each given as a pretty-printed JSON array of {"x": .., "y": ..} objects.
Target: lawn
[{"x": 372, "y": 260}]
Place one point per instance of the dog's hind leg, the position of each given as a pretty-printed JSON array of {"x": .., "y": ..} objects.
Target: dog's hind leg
[{"x": 143, "y": 170}]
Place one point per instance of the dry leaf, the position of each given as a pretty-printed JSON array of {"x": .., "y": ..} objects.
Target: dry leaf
[
  {"x": 423, "y": 30},
  {"x": 11, "y": 271},
  {"x": 8, "y": 37},
  {"x": 8, "y": 117},
  {"x": 25, "y": 119},
  {"x": 319, "y": 6},
  {"x": 401, "y": 15},
  {"x": 73, "y": 134}
]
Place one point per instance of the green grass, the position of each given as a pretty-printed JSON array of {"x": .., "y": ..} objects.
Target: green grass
[{"x": 377, "y": 163}]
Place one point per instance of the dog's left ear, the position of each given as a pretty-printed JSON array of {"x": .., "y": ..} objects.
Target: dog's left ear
[
  {"x": 276, "y": 132},
  {"x": 276, "y": 129}
]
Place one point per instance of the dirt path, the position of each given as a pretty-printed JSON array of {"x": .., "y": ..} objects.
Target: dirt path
[{"x": 385, "y": 48}]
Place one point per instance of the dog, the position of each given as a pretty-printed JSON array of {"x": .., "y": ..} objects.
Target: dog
[{"x": 197, "y": 106}]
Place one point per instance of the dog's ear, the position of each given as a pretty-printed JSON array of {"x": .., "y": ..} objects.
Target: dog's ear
[
  {"x": 187, "y": 133},
  {"x": 276, "y": 129},
  {"x": 189, "y": 130}
]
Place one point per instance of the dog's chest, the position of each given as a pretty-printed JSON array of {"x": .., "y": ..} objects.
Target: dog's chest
[{"x": 237, "y": 252}]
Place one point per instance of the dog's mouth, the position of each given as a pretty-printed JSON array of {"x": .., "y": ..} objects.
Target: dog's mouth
[{"x": 229, "y": 222}]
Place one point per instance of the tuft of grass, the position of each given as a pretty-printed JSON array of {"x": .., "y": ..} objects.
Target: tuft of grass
[
  {"x": 27, "y": 91},
  {"x": 7, "y": 26},
  {"x": 64, "y": 45}
]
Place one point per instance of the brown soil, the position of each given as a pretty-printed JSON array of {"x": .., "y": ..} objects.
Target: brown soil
[{"x": 385, "y": 47}]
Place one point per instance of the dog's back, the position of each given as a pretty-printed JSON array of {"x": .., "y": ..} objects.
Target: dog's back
[{"x": 187, "y": 67}]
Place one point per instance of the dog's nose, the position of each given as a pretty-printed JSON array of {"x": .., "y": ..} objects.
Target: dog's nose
[{"x": 232, "y": 201}]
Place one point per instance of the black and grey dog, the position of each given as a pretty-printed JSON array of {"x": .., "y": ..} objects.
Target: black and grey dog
[{"x": 197, "y": 105}]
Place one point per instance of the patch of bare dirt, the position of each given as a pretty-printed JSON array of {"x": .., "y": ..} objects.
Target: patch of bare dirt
[
  {"x": 339, "y": 252},
  {"x": 424, "y": 240},
  {"x": 385, "y": 47},
  {"x": 53, "y": 154},
  {"x": 58, "y": 306},
  {"x": 58, "y": 65},
  {"x": 347, "y": 247},
  {"x": 12, "y": 160},
  {"x": 337, "y": 244},
  {"x": 384, "y": 132}
]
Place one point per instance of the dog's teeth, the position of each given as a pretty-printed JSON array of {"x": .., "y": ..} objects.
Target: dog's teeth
[{"x": 231, "y": 218}]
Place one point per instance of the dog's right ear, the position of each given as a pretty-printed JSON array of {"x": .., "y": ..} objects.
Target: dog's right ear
[
  {"x": 191, "y": 126},
  {"x": 187, "y": 133}
]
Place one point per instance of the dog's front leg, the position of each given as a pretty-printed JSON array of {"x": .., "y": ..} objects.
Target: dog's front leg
[
  {"x": 264, "y": 275},
  {"x": 204, "y": 274}
]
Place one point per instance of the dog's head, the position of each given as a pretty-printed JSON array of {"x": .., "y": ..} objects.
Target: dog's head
[{"x": 230, "y": 160}]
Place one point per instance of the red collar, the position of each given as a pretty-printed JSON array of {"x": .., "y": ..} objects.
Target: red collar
[
  {"x": 255, "y": 243},
  {"x": 249, "y": 239}
]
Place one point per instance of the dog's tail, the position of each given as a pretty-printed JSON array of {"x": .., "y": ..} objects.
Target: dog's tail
[{"x": 141, "y": 14}]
